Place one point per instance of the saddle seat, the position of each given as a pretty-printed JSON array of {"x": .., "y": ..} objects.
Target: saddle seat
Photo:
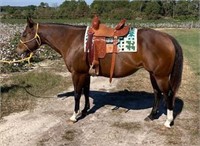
[{"x": 100, "y": 30}]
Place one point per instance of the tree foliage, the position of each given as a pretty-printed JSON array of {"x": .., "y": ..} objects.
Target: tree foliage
[
  {"x": 152, "y": 10},
  {"x": 134, "y": 9}
]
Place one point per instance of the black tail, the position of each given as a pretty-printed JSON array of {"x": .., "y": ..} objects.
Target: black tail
[{"x": 176, "y": 74}]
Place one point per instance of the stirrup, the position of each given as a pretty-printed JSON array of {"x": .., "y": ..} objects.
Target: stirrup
[{"x": 93, "y": 71}]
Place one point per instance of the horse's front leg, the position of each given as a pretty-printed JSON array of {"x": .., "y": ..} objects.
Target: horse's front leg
[
  {"x": 86, "y": 90},
  {"x": 78, "y": 82},
  {"x": 76, "y": 113}
]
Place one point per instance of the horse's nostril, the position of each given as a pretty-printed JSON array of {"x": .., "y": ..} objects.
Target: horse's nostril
[{"x": 23, "y": 55}]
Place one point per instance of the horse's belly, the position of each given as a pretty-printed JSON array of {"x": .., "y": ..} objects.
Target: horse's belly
[
  {"x": 123, "y": 72},
  {"x": 125, "y": 65},
  {"x": 119, "y": 73}
]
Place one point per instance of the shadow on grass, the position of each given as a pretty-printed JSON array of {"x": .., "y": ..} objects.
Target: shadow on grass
[{"x": 7, "y": 88}]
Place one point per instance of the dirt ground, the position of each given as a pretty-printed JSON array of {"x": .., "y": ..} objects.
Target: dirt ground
[{"x": 116, "y": 117}]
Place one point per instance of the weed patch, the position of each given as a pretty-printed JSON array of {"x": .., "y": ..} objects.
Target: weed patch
[
  {"x": 21, "y": 92},
  {"x": 69, "y": 135},
  {"x": 129, "y": 126}
]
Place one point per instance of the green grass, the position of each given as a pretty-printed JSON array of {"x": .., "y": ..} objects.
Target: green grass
[
  {"x": 19, "y": 92},
  {"x": 189, "y": 40}
]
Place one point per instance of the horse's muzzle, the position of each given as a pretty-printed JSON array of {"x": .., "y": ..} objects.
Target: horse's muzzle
[{"x": 21, "y": 51}]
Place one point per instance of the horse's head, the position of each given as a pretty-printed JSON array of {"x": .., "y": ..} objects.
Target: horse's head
[{"x": 30, "y": 40}]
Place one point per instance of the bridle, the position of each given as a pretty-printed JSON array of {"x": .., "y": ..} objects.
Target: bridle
[{"x": 36, "y": 38}]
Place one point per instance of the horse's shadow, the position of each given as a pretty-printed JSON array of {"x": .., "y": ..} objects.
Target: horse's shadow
[
  {"x": 130, "y": 100},
  {"x": 121, "y": 99}
]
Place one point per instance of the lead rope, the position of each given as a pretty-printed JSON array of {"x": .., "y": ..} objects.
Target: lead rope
[{"x": 20, "y": 60}]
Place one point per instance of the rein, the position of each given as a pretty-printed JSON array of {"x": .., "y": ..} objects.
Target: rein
[{"x": 36, "y": 38}]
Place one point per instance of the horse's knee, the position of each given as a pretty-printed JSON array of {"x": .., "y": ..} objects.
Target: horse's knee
[{"x": 77, "y": 96}]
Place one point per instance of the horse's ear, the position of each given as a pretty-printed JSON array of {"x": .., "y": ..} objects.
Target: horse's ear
[{"x": 30, "y": 22}]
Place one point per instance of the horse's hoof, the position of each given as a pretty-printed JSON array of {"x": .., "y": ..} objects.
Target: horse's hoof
[
  {"x": 75, "y": 116},
  {"x": 168, "y": 124},
  {"x": 73, "y": 119},
  {"x": 148, "y": 118}
]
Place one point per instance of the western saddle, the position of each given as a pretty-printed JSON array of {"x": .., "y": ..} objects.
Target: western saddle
[{"x": 97, "y": 45}]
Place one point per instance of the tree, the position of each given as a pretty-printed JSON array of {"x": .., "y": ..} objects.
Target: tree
[
  {"x": 120, "y": 13},
  {"x": 44, "y": 11},
  {"x": 110, "y": 9},
  {"x": 167, "y": 8},
  {"x": 97, "y": 7},
  {"x": 137, "y": 8},
  {"x": 194, "y": 10},
  {"x": 44, "y": 5},
  {"x": 82, "y": 9},
  {"x": 67, "y": 9},
  {"x": 152, "y": 10}
]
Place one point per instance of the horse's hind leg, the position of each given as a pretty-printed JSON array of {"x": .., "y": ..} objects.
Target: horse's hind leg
[
  {"x": 170, "y": 106},
  {"x": 164, "y": 86},
  {"x": 157, "y": 97}
]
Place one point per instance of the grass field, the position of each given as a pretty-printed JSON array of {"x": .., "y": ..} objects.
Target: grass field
[
  {"x": 189, "y": 39},
  {"x": 19, "y": 91}
]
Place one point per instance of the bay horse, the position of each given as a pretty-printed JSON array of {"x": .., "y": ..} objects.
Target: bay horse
[{"x": 158, "y": 53}]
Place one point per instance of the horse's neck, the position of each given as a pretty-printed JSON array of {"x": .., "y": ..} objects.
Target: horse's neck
[{"x": 58, "y": 37}]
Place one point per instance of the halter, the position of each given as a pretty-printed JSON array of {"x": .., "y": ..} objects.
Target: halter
[{"x": 36, "y": 38}]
